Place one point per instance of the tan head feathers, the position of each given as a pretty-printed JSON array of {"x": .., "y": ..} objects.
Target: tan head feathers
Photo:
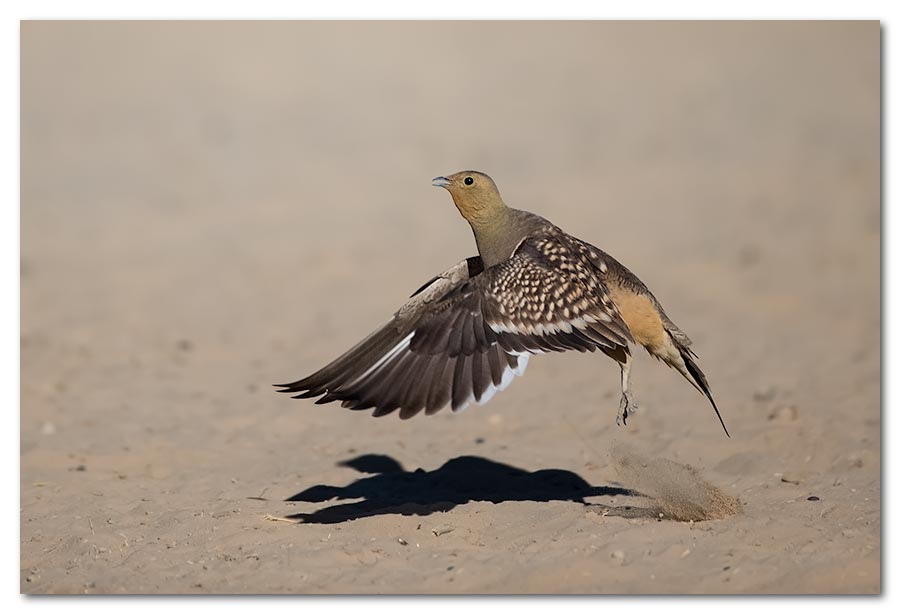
[{"x": 474, "y": 194}]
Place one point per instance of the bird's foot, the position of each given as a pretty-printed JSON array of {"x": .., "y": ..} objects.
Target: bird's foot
[{"x": 627, "y": 407}]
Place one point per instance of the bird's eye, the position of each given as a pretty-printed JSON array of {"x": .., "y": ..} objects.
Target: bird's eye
[{"x": 468, "y": 181}]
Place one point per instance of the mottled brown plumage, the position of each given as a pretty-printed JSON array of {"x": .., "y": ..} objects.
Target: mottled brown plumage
[{"x": 465, "y": 333}]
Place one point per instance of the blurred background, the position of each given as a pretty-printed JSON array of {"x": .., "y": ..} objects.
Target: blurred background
[{"x": 211, "y": 207}]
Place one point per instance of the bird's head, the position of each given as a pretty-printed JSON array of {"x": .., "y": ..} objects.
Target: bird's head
[{"x": 474, "y": 194}]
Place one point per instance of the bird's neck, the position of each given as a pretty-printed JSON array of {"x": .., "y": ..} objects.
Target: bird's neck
[{"x": 496, "y": 235}]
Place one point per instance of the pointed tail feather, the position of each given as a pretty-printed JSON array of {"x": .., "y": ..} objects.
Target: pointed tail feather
[{"x": 699, "y": 381}]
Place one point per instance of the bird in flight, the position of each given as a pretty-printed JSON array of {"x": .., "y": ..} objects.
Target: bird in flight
[{"x": 464, "y": 334}]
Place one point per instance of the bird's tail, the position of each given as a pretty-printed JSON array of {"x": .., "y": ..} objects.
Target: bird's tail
[{"x": 694, "y": 375}]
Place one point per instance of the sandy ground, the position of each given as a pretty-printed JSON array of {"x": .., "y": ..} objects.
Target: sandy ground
[{"x": 211, "y": 208}]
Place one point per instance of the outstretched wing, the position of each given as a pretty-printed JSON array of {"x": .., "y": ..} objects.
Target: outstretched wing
[
  {"x": 390, "y": 369},
  {"x": 463, "y": 336}
]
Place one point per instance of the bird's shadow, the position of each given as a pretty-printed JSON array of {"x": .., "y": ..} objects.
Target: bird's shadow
[{"x": 390, "y": 489}]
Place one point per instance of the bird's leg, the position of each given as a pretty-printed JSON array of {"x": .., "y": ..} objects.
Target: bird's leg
[{"x": 627, "y": 405}]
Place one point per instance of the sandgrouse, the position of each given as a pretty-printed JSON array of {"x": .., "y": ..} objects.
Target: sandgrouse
[{"x": 532, "y": 289}]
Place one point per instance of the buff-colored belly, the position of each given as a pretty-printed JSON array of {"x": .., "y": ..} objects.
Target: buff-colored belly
[{"x": 642, "y": 318}]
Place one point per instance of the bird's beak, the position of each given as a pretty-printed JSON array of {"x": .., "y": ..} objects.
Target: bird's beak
[{"x": 440, "y": 182}]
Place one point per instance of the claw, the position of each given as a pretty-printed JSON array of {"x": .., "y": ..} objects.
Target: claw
[{"x": 627, "y": 407}]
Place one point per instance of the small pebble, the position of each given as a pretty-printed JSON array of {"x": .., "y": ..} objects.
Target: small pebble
[
  {"x": 812, "y": 498},
  {"x": 438, "y": 531},
  {"x": 402, "y": 541}
]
